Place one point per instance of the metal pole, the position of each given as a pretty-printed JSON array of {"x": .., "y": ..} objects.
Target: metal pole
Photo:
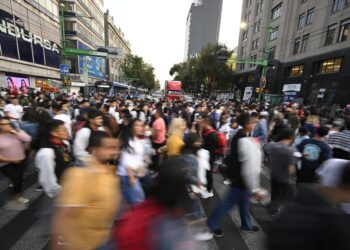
[{"x": 266, "y": 59}]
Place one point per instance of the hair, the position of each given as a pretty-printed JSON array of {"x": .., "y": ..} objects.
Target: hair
[
  {"x": 31, "y": 115},
  {"x": 56, "y": 106},
  {"x": 170, "y": 185},
  {"x": 322, "y": 131},
  {"x": 302, "y": 131},
  {"x": 174, "y": 128},
  {"x": 243, "y": 119},
  {"x": 96, "y": 139},
  {"x": 93, "y": 113},
  {"x": 285, "y": 134},
  {"x": 128, "y": 135},
  {"x": 254, "y": 114},
  {"x": 52, "y": 125}
]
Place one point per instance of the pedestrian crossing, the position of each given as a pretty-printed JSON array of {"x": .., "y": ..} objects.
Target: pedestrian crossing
[{"x": 21, "y": 230}]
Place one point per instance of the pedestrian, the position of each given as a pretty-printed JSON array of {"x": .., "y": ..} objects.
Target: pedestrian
[
  {"x": 175, "y": 141},
  {"x": 302, "y": 134},
  {"x": 340, "y": 142},
  {"x": 244, "y": 173},
  {"x": 158, "y": 136},
  {"x": 314, "y": 152},
  {"x": 12, "y": 160},
  {"x": 14, "y": 111},
  {"x": 89, "y": 199},
  {"x": 61, "y": 112},
  {"x": 282, "y": 170},
  {"x": 261, "y": 130}
]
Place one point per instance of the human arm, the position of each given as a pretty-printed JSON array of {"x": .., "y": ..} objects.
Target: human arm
[
  {"x": 22, "y": 136},
  {"x": 81, "y": 143}
]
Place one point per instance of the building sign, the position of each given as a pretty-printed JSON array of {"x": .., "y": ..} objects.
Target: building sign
[
  {"x": 290, "y": 96},
  {"x": 292, "y": 87},
  {"x": 31, "y": 47},
  {"x": 248, "y": 92},
  {"x": 96, "y": 66},
  {"x": 17, "y": 85},
  {"x": 46, "y": 85}
]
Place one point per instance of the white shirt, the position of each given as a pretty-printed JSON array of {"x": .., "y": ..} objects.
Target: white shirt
[
  {"x": 81, "y": 143},
  {"x": 67, "y": 122},
  {"x": 15, "y": 111},
  {"x": 133, "y": 159},
  {"x": 225, "y": 129}
]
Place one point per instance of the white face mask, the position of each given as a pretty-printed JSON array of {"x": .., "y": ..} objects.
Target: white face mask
[{"x": 148, "y": 133}]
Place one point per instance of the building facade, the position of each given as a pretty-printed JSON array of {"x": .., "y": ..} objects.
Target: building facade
[
  {"x": 308, "y": 45},
  {"x": 202, "y": 26},
  {"x": 114, "y": 37},
  {"x": 30, "y": 43},
  {"x": 84, "y": 30}
]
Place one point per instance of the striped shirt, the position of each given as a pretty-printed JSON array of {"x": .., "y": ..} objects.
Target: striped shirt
[{"x": 340, "y": 140}]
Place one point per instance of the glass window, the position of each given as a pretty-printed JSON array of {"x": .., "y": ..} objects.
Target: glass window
[
  {"x": 276, "y": 12},
  {"x": 330, "y": 65},
  {"x": 336, "y": 5},
  {"x": 296, "y": 71},
  {"x": 274, "y": 34},
  {"x": 247, "y": 17},
  {"x": 344, "y": 30},
  {"x": 347, "y": 2},
  {"x": 330, "y": 34},
  {"x": 310, "y": 16},
  {"x": 304, "y": 43},
  {"x": 257, "y": 26},
  {"x": 272, "y": 53},
  {"x": 259, "y": 7},
  {"x": 301, "y": 21},
  {"x": 296, "y": 46}
]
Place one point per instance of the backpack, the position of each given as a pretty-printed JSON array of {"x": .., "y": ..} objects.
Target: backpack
[{"x": 221, "y": 147}]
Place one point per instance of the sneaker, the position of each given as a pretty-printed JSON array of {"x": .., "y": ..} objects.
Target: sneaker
[
  {"x": 205, "y": 194},
  {"x": 227, "y": 182},
  {"x": 254, "y": 229},
  {"x": 15, "y": 206},
  {"x": 39, "y": 189},
  {"x": 22, "y": 200},
  {"x": 218, "y": 233},
  {"x": 203, "y": 236}
]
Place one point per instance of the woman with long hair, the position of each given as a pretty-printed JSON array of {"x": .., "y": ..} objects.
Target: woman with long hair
[
  {"x": 132, "y": 165},
  {"x": 176, "y": 133}
]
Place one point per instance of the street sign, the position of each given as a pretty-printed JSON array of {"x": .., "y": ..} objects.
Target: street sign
[
  {"x": 113, "y": 52},
  {"x": 64, "y": 69},
  {"x": 82, "y": 52}
]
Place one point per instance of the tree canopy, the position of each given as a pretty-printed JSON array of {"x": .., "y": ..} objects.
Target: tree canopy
[
  {"x": 138, "y": 72},
  {"x": 206, "y": 69}
]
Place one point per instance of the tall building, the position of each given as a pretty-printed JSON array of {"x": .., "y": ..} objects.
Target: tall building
[
  {"x": 84, "y": 29},
  {"x": 309, "y": 49},
  {"x": 202, "y": 26},
  {"x": 29, "y": 43},
  {"x": 114, "y": 37}
]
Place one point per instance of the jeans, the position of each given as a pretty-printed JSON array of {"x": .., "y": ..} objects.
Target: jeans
[
  {"x": 133, "y": 194},
  {"x": 234, "y": 196}
]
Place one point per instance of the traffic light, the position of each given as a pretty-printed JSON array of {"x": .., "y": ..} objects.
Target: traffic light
[{"x": 259, "y": 90}]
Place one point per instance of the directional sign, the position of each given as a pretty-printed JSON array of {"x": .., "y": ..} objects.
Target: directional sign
[
  {"x": 82, "y": 52},
  {"x": 113, "y": 52},
  {"x": 64, "y": 69}
]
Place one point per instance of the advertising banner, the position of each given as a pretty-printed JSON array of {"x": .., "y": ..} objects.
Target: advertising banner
[
  {"x": 248, "y": 92},
  {"x": 292, "y": 87},
  {"x": 96, "y": 66},
  {"x": 290, "y": 96},
  {"x": 17, "y": 85}
]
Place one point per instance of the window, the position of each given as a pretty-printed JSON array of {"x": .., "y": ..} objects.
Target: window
[
  {"x": 259, "y": 7},
  {"x": 347, "y": 2},
  {"x": 244, "y": 36},
  {"x": 336, "y": 5},
  {"x": 301, "y": 21},
  {"x": 330, "y": 65},
  {"x": 296, "y": 46},
  {"x": 272, "y": 53},
  {"x": 296, "y": 71},
  {"x": 330, "y": 34},
  {"x": 242, "y": 51},
  {"x": 257, "y": 26},
  {"x": 310, "y": 16},
  {"x": 253, "y": 58},
  {"x": 255, "y": 44},
  {"x": 304, "y": 43},
  {"x": 247, "y": 17},
  {"x": 344, "y": 30},
  {"x": 276, "y": 12},
  {"x": 274, "y": 34}
]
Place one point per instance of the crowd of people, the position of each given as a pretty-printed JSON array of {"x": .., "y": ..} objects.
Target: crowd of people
[{"x": 130, "y": 173}]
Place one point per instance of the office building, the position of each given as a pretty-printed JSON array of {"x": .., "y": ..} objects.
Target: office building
[
  {"x": 308, "y": 49},
  {"x": 202, "y": 26},
  {"x": 114, "y": 37},
  {"x": 84, "y": 29},
  {"x": 29, "y": 43}
]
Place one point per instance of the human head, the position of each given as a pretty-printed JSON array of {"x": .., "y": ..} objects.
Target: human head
[
  {"x": 30, "y": 115},
  {"x": 103, "y": 147},
  {"x": 157, "y": 113},
  {"x": 23, "y": 83},
  {"x": 10, "y": 83},
  {"x": 205, "y": 122},
  {"x": 322, "y": 131},
  {"x": 56, "y": 129},
  {"x": 137, "y": 128},
  {"x": 177, "y": 127},
  {"x": 246, "y": 122},
  {"x": 14, "y": 100},
  {"x": 5, "y": 125},
  {"x": 95, "y": 118},
  {"x": 234, "y": 123},
  {"x": 285, "y": 135},
  {"x": 302, "y": 131}
]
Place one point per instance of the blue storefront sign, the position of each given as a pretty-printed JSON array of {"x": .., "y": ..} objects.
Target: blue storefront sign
[
  {"x": 96, "y": 66},
  {"x": 64, "y": 69},
  {"x": 290, "y": 96}
]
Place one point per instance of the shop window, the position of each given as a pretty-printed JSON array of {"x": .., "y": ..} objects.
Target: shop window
[
  {"x": 330, "y": 65},
  {"x": 296, "y": 71}
]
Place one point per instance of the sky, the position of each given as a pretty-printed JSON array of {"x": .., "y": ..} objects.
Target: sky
[{"x": 156, "y": 29}]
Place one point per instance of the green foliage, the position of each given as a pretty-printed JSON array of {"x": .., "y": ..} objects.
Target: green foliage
[
  {"x": 205, "y": 69},
  {"x": 138, "y": 72}
]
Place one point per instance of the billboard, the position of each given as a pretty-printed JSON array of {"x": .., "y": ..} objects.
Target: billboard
[
  {"x": 17, "y": 85},
  {"x": 96, "y": 66}
]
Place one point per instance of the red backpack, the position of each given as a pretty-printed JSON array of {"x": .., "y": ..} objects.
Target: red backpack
[{"x": 221, "y": 147}]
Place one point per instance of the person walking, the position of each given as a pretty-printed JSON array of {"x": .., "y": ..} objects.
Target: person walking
[
  {"x": 244, "y": 173},
  {"x": 175, "y": 141}
]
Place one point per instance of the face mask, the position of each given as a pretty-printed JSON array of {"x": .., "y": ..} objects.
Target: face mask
[{"x": 148, "y": 133}]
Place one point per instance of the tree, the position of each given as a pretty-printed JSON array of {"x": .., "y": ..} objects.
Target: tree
[{"x": 139, "y": 73}]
